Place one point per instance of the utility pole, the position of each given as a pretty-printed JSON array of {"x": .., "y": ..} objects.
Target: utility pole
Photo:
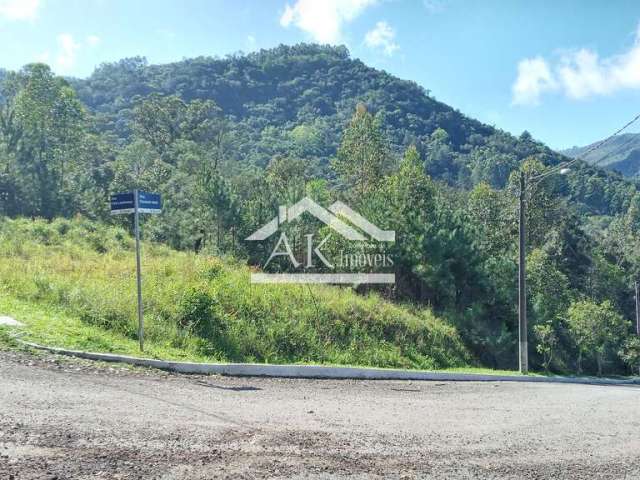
[
  {"x": 637, "y": 287},
  {"x": 136, "y": 221},
  {"x": 562, "y": 168},
  {"x": 522, "y": 294},
  {"x": 637, "y": 308}
]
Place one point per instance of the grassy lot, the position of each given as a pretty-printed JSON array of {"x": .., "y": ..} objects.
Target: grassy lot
[
  {"x": 55, "y": 327},
  {"x": 72, "y": 282}
]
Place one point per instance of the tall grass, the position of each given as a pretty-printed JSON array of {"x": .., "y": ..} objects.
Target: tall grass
[{"x": 208, "y": 306}]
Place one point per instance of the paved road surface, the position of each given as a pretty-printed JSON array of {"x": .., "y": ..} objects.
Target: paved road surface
[{"x": 72, "y": 419}]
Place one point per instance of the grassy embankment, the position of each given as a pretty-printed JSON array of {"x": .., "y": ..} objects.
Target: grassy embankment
[{"x": 72, "y": 282}]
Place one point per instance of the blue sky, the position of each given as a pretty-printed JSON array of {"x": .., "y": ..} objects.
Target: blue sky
[{"x": 567, "y": 71}]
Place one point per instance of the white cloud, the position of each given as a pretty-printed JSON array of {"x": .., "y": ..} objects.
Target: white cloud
[
  {"x": 93, "y": 40},
  {"x": 250, "y": 43},
  {"x": 534, "y": 78},
  {"x": 578, "y": 74},
  {"x": 19, "y": 9},
  {"x": 67, "y": 49},
  {"x": 323, "y": 19},
  {"x": 433, "y": 6},
  {"x": 65, "y": 55},
  {"x": 382, "y": 37}
]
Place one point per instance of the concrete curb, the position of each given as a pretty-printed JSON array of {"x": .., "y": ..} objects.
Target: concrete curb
[
  {"x": 319, "y": 371},
  {"x": 10, "y": 322}
]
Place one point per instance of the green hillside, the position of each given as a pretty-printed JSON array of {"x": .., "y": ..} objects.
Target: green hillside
[
  {"x": 621, "y": 154},
  {"x": 298, "y": 99},
  {"x": 200, "y": 307},
  {"x": 289, "y": 86},
  {"x": 226, "y": 142}
]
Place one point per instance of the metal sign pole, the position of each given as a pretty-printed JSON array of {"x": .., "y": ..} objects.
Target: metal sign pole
[
  {"x": 136, "y": 221},
  {"x": 137, "y": 202}
]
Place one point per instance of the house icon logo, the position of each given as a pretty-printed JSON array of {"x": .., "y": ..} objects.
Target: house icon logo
[{"x": 342, "y": 220}]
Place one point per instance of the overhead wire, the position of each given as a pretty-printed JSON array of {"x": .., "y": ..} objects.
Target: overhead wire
[{"x": 591, "y": 149}]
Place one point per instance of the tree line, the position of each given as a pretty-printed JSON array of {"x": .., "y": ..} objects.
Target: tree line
[{"x": 453, "y": 209}]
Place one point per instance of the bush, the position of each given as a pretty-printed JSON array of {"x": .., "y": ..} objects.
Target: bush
[
  {"x": 597, "y": 329},
  {"x": 630, "y": 354}
]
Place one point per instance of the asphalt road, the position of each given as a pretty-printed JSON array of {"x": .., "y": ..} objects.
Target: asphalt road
[{"x": 64, "y": 418}]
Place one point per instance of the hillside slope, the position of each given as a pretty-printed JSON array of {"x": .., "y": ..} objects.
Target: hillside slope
[
  {"x": 288, "y": 87},
  {"x": 199, "y": 307},
  {"x": 284, "y": 87},
  {"x": 621, "y": 154},
  {"x": 297, "y": 100}
]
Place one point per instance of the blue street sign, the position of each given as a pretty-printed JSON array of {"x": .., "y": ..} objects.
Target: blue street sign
[
  {"x": 149, "y": 202},
  {"x": 122, "y": 203}
]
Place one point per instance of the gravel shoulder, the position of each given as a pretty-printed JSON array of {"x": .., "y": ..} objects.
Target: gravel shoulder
[{"x": 64, "y": 418}]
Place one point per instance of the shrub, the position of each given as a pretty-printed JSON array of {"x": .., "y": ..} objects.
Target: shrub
[
  {"x": 597, "y": 329},
  {"x": 630, "y": 353}
]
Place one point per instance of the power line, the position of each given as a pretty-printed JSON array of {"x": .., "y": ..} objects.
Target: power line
[
  {"x": 593, "y": 147},
  {"x": 600, "y": 172},
  {"x": 618, "y": 149},
  {"x": 597, "y": 172},
  {"x": 523, "y": 343}
]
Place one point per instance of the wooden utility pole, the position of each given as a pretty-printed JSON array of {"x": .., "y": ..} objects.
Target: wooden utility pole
[
  {"x": 637, "y": 308},
  {"x": 522, "y": 287}
]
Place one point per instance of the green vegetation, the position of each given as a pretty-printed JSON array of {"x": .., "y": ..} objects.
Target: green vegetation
[
  {"x": 8, "y": 339},
  {"x": 72, "y": 282},
  {"x": 228, "y": 141},
  {"x": 596, "y": 328}
]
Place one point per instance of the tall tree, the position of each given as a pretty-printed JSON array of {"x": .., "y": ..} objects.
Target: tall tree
[
  {"x": 43, "y": 124},
  {"x": 363, "y": 155}
]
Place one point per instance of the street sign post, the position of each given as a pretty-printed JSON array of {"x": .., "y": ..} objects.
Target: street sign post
[{"x": 137, "y": 202}]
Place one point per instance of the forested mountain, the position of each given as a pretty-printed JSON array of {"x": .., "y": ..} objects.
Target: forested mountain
[
  {"x": 621, "y": 154},
  {"x": 284, "y": 88},
  {"x": 227, "y": 141},
  {"x": 300, "y": 98}
]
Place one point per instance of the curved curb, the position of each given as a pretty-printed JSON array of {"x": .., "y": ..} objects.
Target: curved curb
[
  {"x": 6, "y": 321},
  {"x": 319, "y": 371}
]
